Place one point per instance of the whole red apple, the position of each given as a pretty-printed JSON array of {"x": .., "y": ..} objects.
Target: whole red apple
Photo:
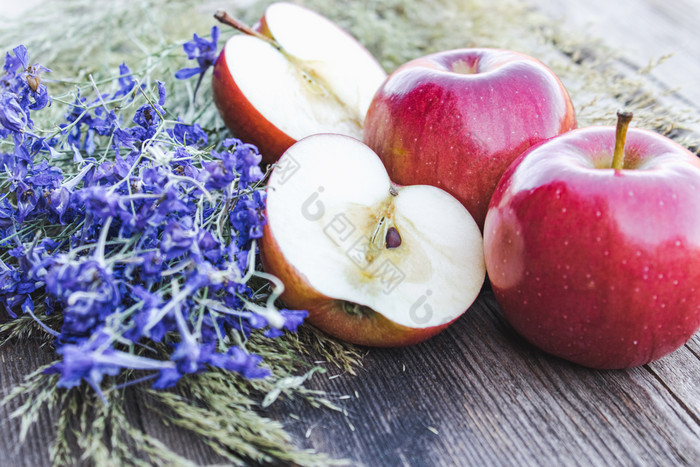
[
  {"x": 597, "y": 265},
  {"x": 293, "y": 74},
  {"x": 457, "y": 119},
  {"x": 373, "y": 263}
]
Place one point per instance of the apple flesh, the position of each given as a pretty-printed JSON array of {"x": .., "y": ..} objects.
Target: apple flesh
[
  {"x": 373, "y": 263},
  {"x": 308, "y": 77},
  {"x": 457, "y": 119},
  {"x": 596, "y": 265}
]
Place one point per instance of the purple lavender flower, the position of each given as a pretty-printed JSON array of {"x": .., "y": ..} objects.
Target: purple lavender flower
[
  {"x": 177, "y": 238},
  {"x": 162, "y": 94},
  {"x": 92, "y": 359},
  {"x": 148, "y": 117},
  {"x": 7, "y": 215},
  {"x": 146, "y": 251},
  {"x": 238, "y": 360},
  {"x": 207, "y": 248},
  {"x": 32, "y": 186},
  {"x": 190, "y": 135},
  {"x": 30, "y": 257},
  {"x": 110, "y": 172},
  {"x": 248, "y": 217},
  {"x": 99, "y": 201},
  {"x": 152, "y": 264},
  {"x": 127, "y": 138},
  {"x": 27, "y": 199},
  {"x": 219, "y": 173},
  {"x": 78, "y": 117},
  {"x": 15, "y": 287},
  {"x": 14, "y": 63},
  {"x": 126, "y": 82},
  {"x": 45, "y": 176},
  {"x": 292, "y": 320},
  {"x": 59, "y": 202},
  {"x": 191, "y": 357},
  {"x": 171, "y": 202},
  {"x": 87, "y": 291},
  {"x": 148, "y": 302},
  {"x": 242, "y": 164},
  {"x": 41, "y": 93},
  {"x": 202, "y": 50},
  {"x": 247, "y": 162},
  {"x": 27, "y": 80},
  {"x": 104, "y": 125},
  {"x": 13, "y": 117}
]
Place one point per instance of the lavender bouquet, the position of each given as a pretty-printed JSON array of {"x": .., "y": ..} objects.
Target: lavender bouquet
[{"x": 128, "y": 242}]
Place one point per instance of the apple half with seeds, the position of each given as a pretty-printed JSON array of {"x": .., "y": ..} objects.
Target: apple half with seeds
[
  {"x": 293, "y": 74},
  {"x": 374, "y": 263}
]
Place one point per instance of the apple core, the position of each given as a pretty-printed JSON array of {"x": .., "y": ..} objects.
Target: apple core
[{"x": 348, "y": 244}]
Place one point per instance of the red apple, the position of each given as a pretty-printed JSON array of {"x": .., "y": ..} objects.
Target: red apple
[
  {"x": 294, "y": 74},
  {"x": 373, "y": 263},
  {"x": 597, "y": 265},
  {"x": 457, "y": 119}
]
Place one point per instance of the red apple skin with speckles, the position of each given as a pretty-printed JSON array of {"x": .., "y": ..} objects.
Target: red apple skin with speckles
[
  {"x": 599, "y": 266},
  {"x": 457, "y": 119}
]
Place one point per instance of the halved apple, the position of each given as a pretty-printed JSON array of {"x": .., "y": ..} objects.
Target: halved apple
[
  {"x": 373, "y": 263},
  {"x": 294, "y": 74}
]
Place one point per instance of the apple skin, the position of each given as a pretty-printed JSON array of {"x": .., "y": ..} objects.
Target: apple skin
[
  {"x": 232, "y": 104},
  {"x": 457, "y": 119},
  {"x": 327, "y": 313},
  {"x": 598, "y": 266}
]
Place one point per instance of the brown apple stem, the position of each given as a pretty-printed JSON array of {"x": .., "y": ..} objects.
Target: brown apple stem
[
  {"x": 239, "y": 25},
  {"x": 623, "y": 122}
]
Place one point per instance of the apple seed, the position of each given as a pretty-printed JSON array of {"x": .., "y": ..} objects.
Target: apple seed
[{"x": 393, "y": 239}]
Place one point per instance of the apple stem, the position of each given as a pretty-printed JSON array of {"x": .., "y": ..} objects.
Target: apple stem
[
  {"x": 623, "y": 122},
  {"x": 239, "y": 25}
]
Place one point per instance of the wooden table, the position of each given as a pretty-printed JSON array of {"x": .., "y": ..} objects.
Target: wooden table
[{"x": 478, "y": 394}]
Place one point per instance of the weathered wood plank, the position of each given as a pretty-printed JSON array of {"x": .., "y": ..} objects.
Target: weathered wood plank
[
  {"x": 180, "y": 440},
  {"x": 641, "y": 32},
  {"x": 680, "y": 374},
  {"x": 494, "y": 399},
  {"x": 16, "y": 361},
  {"x": 475, "y": 394}
]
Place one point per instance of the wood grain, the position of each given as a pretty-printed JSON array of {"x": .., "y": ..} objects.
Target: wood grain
[
  {"x": 494, "y": 399},
  {"x": 15, "y": 362},
  {"x": 641, "y": 32}
]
